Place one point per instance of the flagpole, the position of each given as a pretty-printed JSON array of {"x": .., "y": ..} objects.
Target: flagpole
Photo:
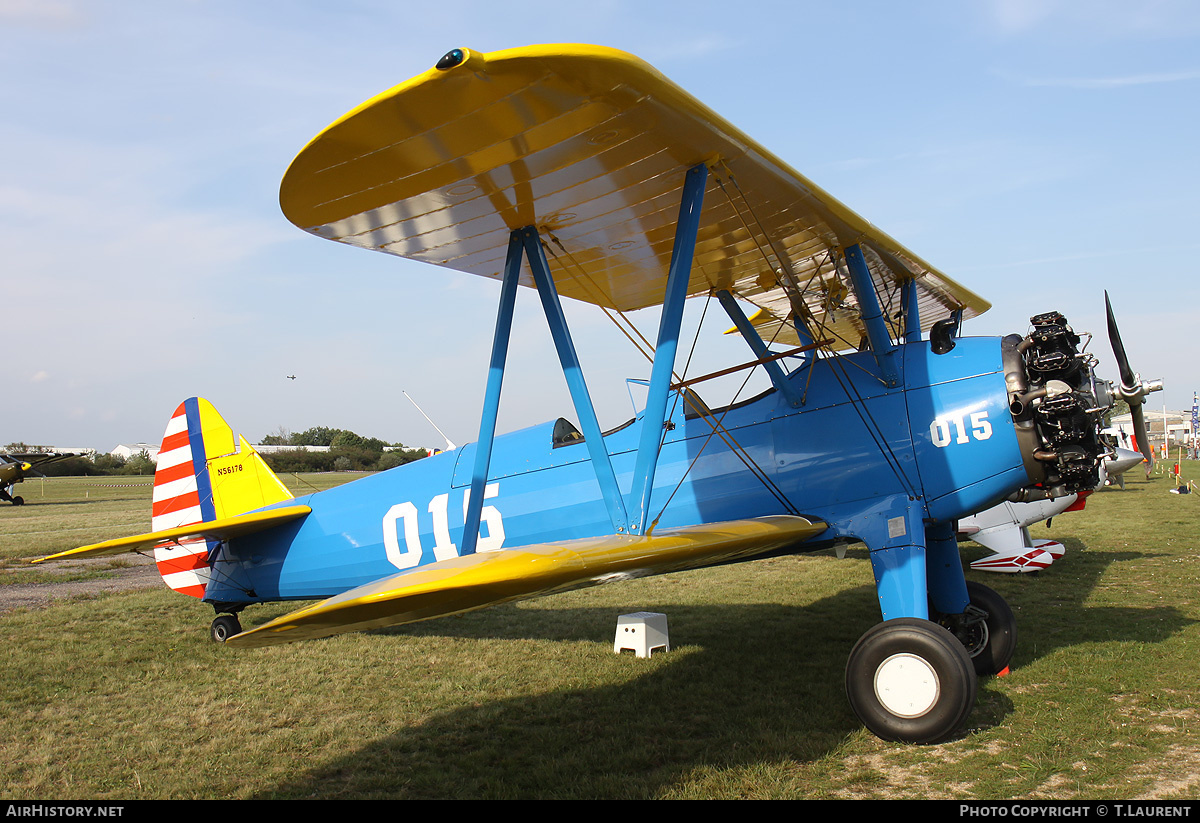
[{"x": 1195, "y": 422}]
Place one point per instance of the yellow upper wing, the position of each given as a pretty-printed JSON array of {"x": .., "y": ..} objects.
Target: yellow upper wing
[
  {"x": 477, "y": 580},
  {"x": 590, "y": 145}
]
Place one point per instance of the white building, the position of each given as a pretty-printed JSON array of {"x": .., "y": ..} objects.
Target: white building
[
  {"x": 1176, "y": 424},
  {"x": 130, "y": 450}
]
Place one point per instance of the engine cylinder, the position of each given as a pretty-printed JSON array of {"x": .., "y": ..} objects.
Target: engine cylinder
[{"x": 1057, "y": 405}]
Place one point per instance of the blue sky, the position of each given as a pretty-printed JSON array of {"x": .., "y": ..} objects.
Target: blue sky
[{"x": 1037, "y": 151}]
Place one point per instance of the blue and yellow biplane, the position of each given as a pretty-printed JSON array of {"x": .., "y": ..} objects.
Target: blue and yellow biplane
[{"x": 581, "y": 172}]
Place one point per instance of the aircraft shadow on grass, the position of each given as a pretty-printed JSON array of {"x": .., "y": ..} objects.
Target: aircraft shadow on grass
[{"x": 785, "y": 703}]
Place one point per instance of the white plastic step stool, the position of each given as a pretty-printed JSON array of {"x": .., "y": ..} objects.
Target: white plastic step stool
[{"x": 643, "y": 632}]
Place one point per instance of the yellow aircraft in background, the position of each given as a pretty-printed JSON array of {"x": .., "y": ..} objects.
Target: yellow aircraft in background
[{"x": 15, "y": 467}]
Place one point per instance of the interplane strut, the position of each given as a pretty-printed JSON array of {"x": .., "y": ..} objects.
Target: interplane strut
[{"x": 525, "y": 244}]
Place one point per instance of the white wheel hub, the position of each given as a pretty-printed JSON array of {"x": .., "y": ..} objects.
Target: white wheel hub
[{"x": 906, "y": 685}]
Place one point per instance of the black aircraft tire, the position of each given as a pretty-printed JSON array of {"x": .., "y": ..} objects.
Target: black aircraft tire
[
  {"x": 18, "y": 500},
  {"x": 224, "y": 627},
  {"x": 992, "y": 642},
  {"x": 910, "y": 681}
]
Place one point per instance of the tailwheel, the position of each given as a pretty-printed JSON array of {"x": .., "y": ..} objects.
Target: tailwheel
[
  {"x": 911, "y": 681},
  {"x": 987, "y": 629},
  {"x": 224, "y": 627}
]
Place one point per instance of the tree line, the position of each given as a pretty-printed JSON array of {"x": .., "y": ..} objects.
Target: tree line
[{"x": 347, "y": 452}]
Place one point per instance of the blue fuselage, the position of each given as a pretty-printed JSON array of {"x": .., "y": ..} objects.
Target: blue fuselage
[{"x": 856, "y": 455}]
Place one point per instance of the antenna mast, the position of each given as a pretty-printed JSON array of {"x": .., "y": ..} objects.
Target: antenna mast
[{"x": 449, "y": 444}]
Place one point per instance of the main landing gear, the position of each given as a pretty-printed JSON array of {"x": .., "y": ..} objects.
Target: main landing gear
[
  {"x": 910, "y": 680},
  {"x": 987, "y": 629},
  {"x": 914, "y": 681}
]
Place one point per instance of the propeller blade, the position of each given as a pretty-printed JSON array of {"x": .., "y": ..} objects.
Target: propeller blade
[
  {"x": 1128, "y": 378},
  {"x": 1133, "y": 389},
  {"x": 1143, "y": 438}
]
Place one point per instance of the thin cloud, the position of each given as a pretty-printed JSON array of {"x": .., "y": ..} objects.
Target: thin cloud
[
  {"x": 1125, "y": 81},
  {"x": 42, "y": 13},
  {"x": 1102, "y": 254},
  {"x": 692, "y": 48},
  {"x": 1103, "y": 18}
]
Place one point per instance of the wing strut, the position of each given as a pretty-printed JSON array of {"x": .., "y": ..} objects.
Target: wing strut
[
  {"x": 491, "y": 396},
  {"x": 911, "y": 312},
  {"x": 653, "y": 419},
  {"x": 526, "y": 243},
  {"x": 592, "y": 435},
  {"x": 772, "y": 367},
  {"x": 868, "y": 305}
]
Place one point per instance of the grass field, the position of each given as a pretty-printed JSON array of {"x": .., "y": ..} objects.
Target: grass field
[{"x": 123, "y": 696}]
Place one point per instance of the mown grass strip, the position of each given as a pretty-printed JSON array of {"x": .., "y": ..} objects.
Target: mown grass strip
[{"x": 122, "y": 696}]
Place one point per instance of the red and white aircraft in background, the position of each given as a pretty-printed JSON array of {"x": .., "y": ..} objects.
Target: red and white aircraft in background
[{"x": 1005, "y": 528}]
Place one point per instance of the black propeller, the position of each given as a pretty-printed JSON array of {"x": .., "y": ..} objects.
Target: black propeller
[{"x": 1133, "y": 388}]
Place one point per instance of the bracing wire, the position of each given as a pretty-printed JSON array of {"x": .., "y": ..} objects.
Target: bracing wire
[
  {"x": 768, "y": 483},
  {"x": 647, "y": 350},
  {"x": 837, "y": 363}
]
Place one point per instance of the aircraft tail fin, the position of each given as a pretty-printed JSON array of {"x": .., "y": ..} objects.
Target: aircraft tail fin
[{"x": 205, "y": 473}]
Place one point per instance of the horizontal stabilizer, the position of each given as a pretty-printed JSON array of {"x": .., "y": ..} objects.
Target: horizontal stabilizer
[
  {"x": 212, "y": 530},
  {"x": 477, "y": 580},
  {"x": 1031, "y": 559}
]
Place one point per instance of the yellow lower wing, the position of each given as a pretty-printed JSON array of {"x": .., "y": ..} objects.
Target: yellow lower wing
[
  {"x": 214, "y": 530},
  {"x": 474, "y": 581}
]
